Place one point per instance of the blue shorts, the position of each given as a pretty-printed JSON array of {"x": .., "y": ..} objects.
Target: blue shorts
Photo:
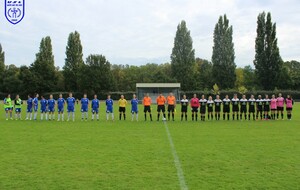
[
  {"x": 109, "y": 110},
  {"x": 51, "y": 109},
  {"x": 35, "y": 108},
  {"x": 44, "y": 110},
  {"x": 18, "y": 110},
  {"x": 95, "y": 110},
  {"x": 29, "y": 110},
  {"x": 134, "y": 111},
  {"x": 8, "y": 109},
  {"x": 60, "y": 110},
  {"x": 84, "y": 109},
  {"x": 70, "y": 109}
]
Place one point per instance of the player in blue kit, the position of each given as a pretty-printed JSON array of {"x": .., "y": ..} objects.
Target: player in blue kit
[
  {"x": 60, "y": 107},
  {"x": 134, "y": 108},
  {"x": 29, "y": 108},
  {"x": 95, "y": 108},
  {"x": 84, "y": 107},
  {"x": 44, "y": 104},
  {"x": 71, "y": 104},
  {"x": 109, "y": 108},
  {"x": 51, "y": 107},
  {"x": 35, "y": 104}
]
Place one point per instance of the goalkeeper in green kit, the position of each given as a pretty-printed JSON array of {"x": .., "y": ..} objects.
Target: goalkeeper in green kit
[{"x": 8, "y": 107}]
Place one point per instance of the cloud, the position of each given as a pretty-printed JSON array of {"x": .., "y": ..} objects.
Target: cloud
[{"x": 139, "y": 31}]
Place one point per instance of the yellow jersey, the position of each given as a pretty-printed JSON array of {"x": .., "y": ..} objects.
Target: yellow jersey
[{"x": 122, "y": 103}]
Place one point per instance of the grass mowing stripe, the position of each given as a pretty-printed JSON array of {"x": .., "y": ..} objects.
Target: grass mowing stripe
[{"x": 180, "y": 174}]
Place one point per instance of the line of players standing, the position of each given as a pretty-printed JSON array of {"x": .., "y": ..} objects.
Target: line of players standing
[
  {"x": 257, "y": 108},
  {"x": 241, "y": 108}
]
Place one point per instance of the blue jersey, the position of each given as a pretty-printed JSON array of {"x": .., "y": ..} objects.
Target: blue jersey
[
  {"x": 71, "y": 102},
  {"x": 51, "y": 103},
  {"x": 95, "y": 104},
  {"x": 84, "y": 104},
  {"x": 60, "y": 103},
  {"x": 29, "y": 103},
  {"x": 44, "y": 104},
  {"x": 109, "y": 105},
  {"x": 134, "y": 105},
  {"x": 35, "y": 102}
]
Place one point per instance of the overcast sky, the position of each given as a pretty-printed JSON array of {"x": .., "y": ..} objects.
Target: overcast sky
[{"x": 136, "y": 32}]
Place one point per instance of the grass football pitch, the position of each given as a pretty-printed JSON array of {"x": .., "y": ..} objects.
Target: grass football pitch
[{"x": 149, "y": 155}]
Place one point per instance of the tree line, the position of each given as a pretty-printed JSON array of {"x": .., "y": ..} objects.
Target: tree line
[{"x": 96, "y": 74}]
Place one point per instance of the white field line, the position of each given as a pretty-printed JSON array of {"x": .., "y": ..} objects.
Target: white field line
[{"x": 180, "y": 174}]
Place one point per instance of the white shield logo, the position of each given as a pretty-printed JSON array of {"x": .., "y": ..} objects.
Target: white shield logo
[{"x": 14, "y": 10}]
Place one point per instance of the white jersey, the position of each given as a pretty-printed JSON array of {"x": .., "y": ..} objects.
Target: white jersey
[
  {"x": 184, "y": 102},
  {"x": 210, "y": 103},
  {"x": 243, "y": 102},
  {"x": 226, "y": 102},
  {"x": 203, "y": 102},
  {"x": 218, "y": 102},
  {"x": 235, "y": 101}
]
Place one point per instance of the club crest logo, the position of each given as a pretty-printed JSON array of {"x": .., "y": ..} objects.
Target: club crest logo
[{"x": 14, "y": 10}]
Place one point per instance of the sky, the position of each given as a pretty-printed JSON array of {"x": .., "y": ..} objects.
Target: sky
[{"x": 137, "y": 32}]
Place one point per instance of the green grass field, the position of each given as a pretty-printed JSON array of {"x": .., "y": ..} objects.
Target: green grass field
[{"x": 138, "y": 155}]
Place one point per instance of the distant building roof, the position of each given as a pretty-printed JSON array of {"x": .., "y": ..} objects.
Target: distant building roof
[{"x": 158, "y": 85}]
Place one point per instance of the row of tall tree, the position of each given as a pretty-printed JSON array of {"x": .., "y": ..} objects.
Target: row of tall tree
[{"x": 97, "y": 75}]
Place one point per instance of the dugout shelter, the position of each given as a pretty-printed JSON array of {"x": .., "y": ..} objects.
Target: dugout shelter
[{"x": 154, "y": 89}]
